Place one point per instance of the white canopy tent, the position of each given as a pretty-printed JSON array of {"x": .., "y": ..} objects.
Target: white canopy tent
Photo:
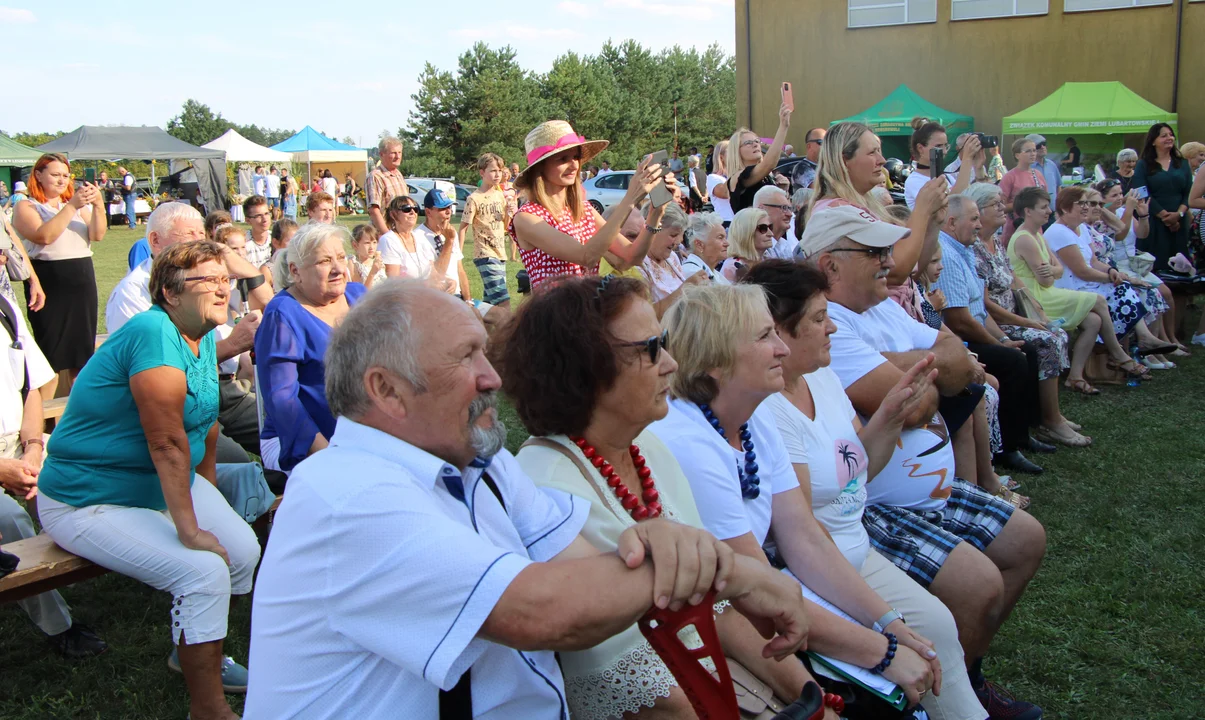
[{"x": 240, "y": 149}]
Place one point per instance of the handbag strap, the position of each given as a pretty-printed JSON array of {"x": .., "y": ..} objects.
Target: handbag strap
[
  {"x": 553, "y": 445},
  {"x": 8, "y": 317}
]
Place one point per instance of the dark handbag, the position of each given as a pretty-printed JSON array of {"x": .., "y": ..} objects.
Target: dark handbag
[
  {"x": 524, "y": 282},
  {"x": 860, "y": 703}
]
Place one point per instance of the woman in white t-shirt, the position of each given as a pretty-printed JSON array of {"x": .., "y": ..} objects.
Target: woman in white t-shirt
[
  {"x": 834, "y": 456},
  {"x": 717, "y": 188},
  {"x": 725, "y": 438},
  {"x": 928, "y": 136},
  {"x": 405, "y": 252}
]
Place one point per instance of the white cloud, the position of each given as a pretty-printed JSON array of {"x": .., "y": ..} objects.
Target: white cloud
[
  {"x": 16, "y": 16},
  {"x": 511, "y": 33},
  {"x": 575, "y": 9}
]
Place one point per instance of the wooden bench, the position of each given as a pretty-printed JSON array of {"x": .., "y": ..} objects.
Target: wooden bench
[
  {"x": 53, "y": 409},
  {"x": 45, "y": 566}
]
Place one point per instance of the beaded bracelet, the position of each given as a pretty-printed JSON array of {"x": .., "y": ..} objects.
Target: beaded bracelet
[{"x": 892, "y": 646}]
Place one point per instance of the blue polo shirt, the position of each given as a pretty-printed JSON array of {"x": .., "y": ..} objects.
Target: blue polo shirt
[{"x": 959, "y": 281}]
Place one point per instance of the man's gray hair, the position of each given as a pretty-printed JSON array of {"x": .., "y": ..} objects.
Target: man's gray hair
[
  {"x": 164, "y": 217},
  {"x": 1127, "y": 154},
  {"x": 700, "y": 226},
  {"x": 673, "y": 219},
  {"x": 387, "y": 142},
  {"x": 770, "y": 194},
  {"x": 610, "y": 212},
  {"x": 959, "y": 204},
  {"x": 377, "y": 332},
  {"x": 983, "y": 193},
  {"x": 301, "y": 250}
]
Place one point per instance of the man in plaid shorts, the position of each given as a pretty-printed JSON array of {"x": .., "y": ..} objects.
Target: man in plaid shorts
[{"x": 972, "y": 550}]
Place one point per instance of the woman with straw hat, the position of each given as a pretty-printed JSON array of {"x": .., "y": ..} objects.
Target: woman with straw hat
[{"x": 557, "y": 232}]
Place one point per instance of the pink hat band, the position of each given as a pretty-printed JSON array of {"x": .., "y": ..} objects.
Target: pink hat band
[{"x": 544, "y": 150}]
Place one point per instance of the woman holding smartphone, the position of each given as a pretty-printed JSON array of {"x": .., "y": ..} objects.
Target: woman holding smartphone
[
  {"x": 749, "y": 168},
  {"x": 558, "y": 233}
]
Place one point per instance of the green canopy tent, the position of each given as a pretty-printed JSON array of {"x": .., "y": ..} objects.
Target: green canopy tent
[
  {"x": 1097, "y": 114},
  {"x": 891, "y": 119},
  {"x": 14, "y": 155}
]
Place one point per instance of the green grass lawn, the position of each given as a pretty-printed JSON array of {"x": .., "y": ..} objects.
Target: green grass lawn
[{"x": 1112, "y": 627}]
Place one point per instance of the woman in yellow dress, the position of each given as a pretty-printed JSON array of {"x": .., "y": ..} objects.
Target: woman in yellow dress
[{"x": 1037, "y": 267}]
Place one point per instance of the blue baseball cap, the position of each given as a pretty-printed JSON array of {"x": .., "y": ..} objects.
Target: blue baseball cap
[{"x": 436, "y": 199}]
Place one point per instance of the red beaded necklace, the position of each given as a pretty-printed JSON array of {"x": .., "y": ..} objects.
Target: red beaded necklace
[{"x": 651, "y": 507}]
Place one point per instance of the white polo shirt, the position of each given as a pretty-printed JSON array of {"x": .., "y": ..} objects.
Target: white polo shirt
[
  {"x": 12, "y": 372},
  {"x": 378, "y": 579}
]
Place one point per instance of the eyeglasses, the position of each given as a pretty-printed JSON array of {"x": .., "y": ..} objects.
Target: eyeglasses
[
  {"x": 261, "y": 216},
  {"x": 750, "y": 143},
  {"x": 1088, "y": 203},
  {"x": 879, "y": 254},
  {"x": 763, "y": 228},
  {"x": 784, "y": 208},
  {"x": 209, "y": 282},
  {"x": 818, "y": 142},
  {"x": 653, "y": 345},
  {"x": 407, "y": 209}
]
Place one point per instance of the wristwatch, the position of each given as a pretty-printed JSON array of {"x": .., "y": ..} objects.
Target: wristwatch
[{"x": 888, "y": 617}]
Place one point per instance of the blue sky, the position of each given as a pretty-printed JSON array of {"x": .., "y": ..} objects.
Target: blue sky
[{"x": 346, "y": 68}]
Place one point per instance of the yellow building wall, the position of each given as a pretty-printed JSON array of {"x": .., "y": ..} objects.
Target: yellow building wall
[{"x": 983, "y": 68}]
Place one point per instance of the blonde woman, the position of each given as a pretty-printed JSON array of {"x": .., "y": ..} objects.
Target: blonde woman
[
  {"x": 850, "y": 167},
  {"x": 749, "y": 237},
  {"x": 557, "y": 232},
  {"x": 749, "y": 168}
]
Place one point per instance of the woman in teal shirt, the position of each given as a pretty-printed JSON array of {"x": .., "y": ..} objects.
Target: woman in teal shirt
[{"x": 126, "y": 483}]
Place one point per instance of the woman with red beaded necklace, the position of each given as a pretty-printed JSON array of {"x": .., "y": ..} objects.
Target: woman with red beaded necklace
[{"x": 585, "y": 365}]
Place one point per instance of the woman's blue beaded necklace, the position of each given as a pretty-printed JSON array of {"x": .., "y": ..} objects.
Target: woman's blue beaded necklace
[{"x": 748, "y": 474}]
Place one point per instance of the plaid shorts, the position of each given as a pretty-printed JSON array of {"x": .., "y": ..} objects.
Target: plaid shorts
[
  {"x": 919, "y": 541},
  {"x": 493, "y": 280}
]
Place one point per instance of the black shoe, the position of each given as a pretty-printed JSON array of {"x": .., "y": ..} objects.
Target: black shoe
[
  {"x": 1038, "y": 446},
  {"x": 79, "y": 641},
  {"x": 1017, "y": 462},
  {"x": 1001, "y": 705}
]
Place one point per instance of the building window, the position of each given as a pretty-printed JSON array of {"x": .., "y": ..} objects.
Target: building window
[
  {"x": 1086, "y": 5},
  {"x": 875, "y": 13},
  {"x": 979, "y": 9}
]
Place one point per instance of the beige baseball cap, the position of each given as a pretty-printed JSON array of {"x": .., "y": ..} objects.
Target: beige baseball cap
[{"x": 831, "y": 224}]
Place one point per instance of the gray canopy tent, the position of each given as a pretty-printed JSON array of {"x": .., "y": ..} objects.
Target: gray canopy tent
[{"x": 126, "y": 142}]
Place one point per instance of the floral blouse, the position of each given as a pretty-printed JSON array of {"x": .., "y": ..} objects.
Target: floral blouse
[{"x": 996, "y": 272}]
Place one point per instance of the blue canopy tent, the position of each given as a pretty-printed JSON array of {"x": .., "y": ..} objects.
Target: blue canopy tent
[{"x": 312, "y": 147}]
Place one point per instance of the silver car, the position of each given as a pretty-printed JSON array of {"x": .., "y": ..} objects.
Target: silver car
[
  {"x": 419, "y": 187},
  {"x": 606, "y": 190}
]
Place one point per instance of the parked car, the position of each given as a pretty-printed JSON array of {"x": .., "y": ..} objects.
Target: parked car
[
  {"x": 604, "y": 191},
  {"x": 462, "y": 196},
  {"x": 419, "y": 187}
]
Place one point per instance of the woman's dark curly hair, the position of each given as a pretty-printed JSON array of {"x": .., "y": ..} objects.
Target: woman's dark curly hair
[{"x": 557, "y": 355}]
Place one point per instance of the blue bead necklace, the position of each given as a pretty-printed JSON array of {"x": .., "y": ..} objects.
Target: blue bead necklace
[{"x": 748, "y": 474}]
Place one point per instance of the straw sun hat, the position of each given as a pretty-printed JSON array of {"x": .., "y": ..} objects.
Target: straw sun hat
[{"x": 550, "y": 138}]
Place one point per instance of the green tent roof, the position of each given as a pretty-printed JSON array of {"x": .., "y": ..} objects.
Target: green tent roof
[
  {"x": 1088, "y": 108},
  {"x": 893, "y": 114},
  {"x": 14, "y": 154}
]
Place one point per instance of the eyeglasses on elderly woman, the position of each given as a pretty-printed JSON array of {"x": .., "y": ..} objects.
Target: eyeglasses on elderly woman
[{"x": 653, "y": 345}]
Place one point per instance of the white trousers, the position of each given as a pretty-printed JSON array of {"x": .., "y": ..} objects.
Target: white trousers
[
  {"x": 142, "y": 544},
  {"x": 928, "y": 616}
]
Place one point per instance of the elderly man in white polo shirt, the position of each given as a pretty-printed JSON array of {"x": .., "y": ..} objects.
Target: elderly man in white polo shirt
[
  {"x": 972, "y": 550},
  {"x": 414, "y": 553},
  {"x": 778, "y": 206},
  {"x": 173, "y": 223}
]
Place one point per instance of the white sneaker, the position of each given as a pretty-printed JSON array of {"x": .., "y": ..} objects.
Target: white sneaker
[{"x": 1198, "y": 339}]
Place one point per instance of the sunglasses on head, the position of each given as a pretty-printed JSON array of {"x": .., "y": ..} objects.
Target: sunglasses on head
[{"x": 652, "y": 346}]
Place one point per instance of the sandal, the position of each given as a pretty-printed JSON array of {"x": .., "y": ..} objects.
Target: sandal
[
  {"x": 1007, "y": 482},
  {"x": 1081, "y": 386},
  {"x": 1017, "y": 500},
  {"x": 1070, "y": 438},
  {"x": 1130, "y": 368},
  {"x": 1157, "y": 349},
  {"x": 1074, "y": 426}
]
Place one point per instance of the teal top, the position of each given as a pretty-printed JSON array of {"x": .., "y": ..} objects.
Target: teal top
[{"x": 98, "y": 454}]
